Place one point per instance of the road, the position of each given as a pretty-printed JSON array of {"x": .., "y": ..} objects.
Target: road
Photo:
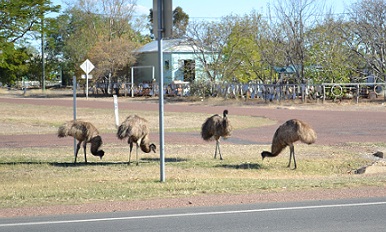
[{"x": 333, "y": 215}]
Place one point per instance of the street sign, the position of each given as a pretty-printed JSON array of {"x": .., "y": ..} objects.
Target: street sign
[{"x": 87, "y": 66}]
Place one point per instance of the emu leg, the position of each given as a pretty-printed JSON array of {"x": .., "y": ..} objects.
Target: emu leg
[
  {"x": 215, "y": 151},
  {"x": 84, "y": 148},
  {"x": 131, "y": 148},
  {"x": 292, "y": 154},
  {"x": 77, "y": 150},
  {"x": 219, "y": 152},
  {"x": 136, "y": 155}
]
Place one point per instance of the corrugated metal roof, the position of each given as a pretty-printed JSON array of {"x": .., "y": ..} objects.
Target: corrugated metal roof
[{"x": 171, "y": 45}]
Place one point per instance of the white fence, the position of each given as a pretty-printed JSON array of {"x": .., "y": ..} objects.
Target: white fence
[{"x": 266, "y": 92}]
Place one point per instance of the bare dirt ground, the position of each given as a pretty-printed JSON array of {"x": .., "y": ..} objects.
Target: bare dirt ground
[{"x": 335, "y": 123}]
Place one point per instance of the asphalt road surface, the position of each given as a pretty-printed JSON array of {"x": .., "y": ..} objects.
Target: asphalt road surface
[{"x": 334, "y": 215}]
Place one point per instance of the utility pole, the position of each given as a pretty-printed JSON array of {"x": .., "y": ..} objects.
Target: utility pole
[
  {"x": 43, "y": 58},
  {"x": 162, "y": 22}
]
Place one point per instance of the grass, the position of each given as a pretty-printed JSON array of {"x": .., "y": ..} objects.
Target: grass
[{"x": 47, "y": 176}]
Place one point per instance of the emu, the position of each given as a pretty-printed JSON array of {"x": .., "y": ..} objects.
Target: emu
[
  {"x": 136, "y": 130},
  {"x": 215, "y": 127},
  {"x": 83, "y": 132},
  {"x": 287, "y": 134}
]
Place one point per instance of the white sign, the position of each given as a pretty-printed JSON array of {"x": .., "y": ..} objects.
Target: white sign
[{"x": 87, "y": 66}]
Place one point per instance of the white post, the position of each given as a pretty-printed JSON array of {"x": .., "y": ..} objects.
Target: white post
[
  {"x": 116, "y": 110},
  {"x": 132, "y": 82},
  {"x": 86, "y": 85}
]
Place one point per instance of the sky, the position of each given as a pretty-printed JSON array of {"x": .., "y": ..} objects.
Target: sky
[{"x": 212, "y": 9}]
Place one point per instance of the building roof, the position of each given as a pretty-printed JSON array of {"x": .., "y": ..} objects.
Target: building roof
[{"x": 171, "y": 45}]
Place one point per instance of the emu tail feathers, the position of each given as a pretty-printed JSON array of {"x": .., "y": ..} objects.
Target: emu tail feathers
[
  {"x": 207, "y": 130},
  {"x": 122, "y": 131},
  {"x": 306, "y": 133}
]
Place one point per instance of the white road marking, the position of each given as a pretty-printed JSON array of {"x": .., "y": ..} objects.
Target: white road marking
[{"x": 190, "y": 214}]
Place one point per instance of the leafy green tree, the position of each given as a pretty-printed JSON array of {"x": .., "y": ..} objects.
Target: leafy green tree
[
  {"x": 19, "y": 19},
  {"x": 242, "y": 50},
  {"x": 14, "y": 64},
  {"x": 180, "y": 22},
  {"x": 103, "y": 31},
  {"x": 328, "y": 55}
]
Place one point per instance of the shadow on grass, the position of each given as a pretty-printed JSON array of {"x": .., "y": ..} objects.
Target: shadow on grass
[
  {"x": 167, "y": 160},
  {"x": 62, "y": 164},
  {"x": 240, "y": 166},
  {"x": 80, "y": 164}
]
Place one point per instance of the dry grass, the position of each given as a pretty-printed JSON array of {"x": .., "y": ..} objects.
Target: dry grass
[{"x": 46, "y": 176}]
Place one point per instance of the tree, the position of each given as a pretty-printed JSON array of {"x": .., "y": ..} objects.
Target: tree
[
  {"x": 328, "y": 55},
  {"x": 102, "y": 32},
  {"x": 180, "y": 22},
  {"x": 208, "y": 40},
  {"x": 19, "y": 17},
  {"x": 242, "y": 50},
  {"x": 18, "y": 20},
  {"x": 367, "y": 36},
  {"x": 292, "y": 16}
]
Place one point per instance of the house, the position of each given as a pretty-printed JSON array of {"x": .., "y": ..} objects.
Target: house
[{"x": 180, "y": 62}]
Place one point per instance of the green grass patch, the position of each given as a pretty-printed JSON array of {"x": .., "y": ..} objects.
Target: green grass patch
[{"x": 46, "y": 176}]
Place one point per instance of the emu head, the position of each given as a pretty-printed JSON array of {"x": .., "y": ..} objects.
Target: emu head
[
  {"x": 100, "y": 153},
  {"x": 264, "y": 154},
  {"x": 96, "y": 143},
  {"x": 225, "y": 113},
  {"x": 153, "y": 147}
]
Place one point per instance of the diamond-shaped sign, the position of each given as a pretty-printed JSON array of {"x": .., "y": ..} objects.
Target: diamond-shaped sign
[{"x": 87, "y": 66}]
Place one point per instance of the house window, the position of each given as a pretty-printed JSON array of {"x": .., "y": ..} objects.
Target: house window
[
  {"x": 166, "y": 65},
  {"x": 189, "y": 70}
]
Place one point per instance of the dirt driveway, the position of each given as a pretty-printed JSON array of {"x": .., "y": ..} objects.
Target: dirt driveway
[{"x": 334, "y": 124}]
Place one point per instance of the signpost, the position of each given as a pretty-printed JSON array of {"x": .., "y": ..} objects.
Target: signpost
[{"x": 87, "y": 67}]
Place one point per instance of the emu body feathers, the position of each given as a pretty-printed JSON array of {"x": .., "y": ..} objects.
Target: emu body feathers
[
  {"x": 83, "y": 132},
  {"x": 215, "y": 127},
  {"x": 288, "y": 133},
  {"x": 136, "y": 130}
]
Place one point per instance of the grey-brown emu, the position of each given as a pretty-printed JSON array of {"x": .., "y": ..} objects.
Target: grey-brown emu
[
  {"x": 136, "y": 130},
  {"x": 215, "y": 127},
  {"x": 83, "y": 132},
  {"x": 287, "y": 134}
]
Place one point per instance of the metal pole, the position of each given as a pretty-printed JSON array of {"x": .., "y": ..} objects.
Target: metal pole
[
  {"x": 43, "y": 59},
  {"x": 74, "y": 106},
  {"x": 161, "y": 94}
]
